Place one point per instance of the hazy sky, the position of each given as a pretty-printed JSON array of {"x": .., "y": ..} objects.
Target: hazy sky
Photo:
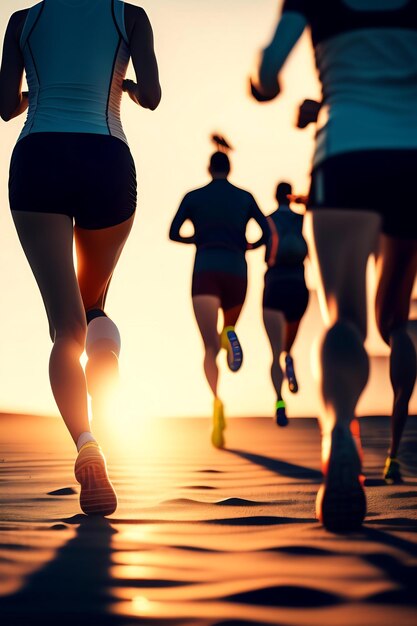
[{"x": 205, "y": 51}]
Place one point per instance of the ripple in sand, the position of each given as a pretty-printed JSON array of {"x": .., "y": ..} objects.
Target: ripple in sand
[
  {"x": 260, "y": 520},
  {"x": 65, "y": 491},
  {"x": 241, "y": 502},
  {"x": 286, "y": 595}
]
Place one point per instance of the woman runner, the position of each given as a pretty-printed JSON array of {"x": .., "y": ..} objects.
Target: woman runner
[{"x": 72, "y": 177}]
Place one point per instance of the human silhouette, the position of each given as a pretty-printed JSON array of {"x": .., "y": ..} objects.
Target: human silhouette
[
  {"x": 366, "y": 54},
  {"x": 219, "y": 213}
]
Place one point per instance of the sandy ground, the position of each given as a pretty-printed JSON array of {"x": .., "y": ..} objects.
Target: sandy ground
[{"x": 201, "y": 537}]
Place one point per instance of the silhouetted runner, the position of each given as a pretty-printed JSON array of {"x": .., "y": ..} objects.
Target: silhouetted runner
[
  {"x": 219, "y": 213},
  {"x": 285, "y": 297},
  {"x": 366, "y": 54}
]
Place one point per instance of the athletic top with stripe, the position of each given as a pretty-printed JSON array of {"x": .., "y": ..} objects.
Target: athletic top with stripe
[
  {"x": 220, "y": 213},
  {"x": 76, "y": 54},
  {"x": 366, "y": 55}
]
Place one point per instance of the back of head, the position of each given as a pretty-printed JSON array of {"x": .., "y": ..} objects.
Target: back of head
[
  {"x": 219, "y": 163},
  {"x": 283, "y": 190}
]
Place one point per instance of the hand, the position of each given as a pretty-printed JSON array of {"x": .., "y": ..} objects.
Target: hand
[
  {"x": 298, "y": 199},
  {"x": 308, "y": 113},
  {"x": 131, "y": 88},
  {"x": 260, "y": 94}
]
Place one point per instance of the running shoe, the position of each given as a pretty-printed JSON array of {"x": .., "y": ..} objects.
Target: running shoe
[
  {"x": 392, "y": 472},
  {"x": 230, "y": 342},
  {"x": 97, "y": 495},
  {"x": 219, "y": 424},
  {"x": 341, "y": 500},
  {"x": 290, "y": 374},
  {"x": 280, "y": 415}
]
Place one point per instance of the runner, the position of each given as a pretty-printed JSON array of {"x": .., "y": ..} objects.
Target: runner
[
  {"x": 72, "y": 176},
  {"x": 366, "y": 143},
  {"x": 286, "y": 295},
  {"x": 219, "y": 213}
]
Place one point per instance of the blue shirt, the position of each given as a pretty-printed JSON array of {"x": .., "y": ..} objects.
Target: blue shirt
[{"x": 76, "y": 54}]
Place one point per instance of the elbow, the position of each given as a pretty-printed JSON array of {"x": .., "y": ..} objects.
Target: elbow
[
  {"x": 6, "y": 114},
  {"x": 152, "y": 99}
]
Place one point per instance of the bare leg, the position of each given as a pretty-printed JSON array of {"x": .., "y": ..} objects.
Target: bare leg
[
  {"x": 342, "y": 243},
  {"x": 97, "y": 254},
  {"x": 229, "y": 339},
  {"x": 206, "y": 310},
  {"x": 47, "y": 241},
  {"x": 397, "y": 266},
  {"x": 275, "y": 327},
  {"x": 291, "y": 330}
]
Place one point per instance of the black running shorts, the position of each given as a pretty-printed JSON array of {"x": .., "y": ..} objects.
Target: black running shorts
[
  {"x": 229, "y": 288},
  {"x": 290, "y": 297},
  {"x": 370, "y": 180},
  {"x": 91, "y": 178}
]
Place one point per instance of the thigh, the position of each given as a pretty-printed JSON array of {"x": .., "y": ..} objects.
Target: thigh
[
  {"x": 97, "y": 254},
  {"x": 47, "y": 240},
  {"x": 340, "y": 246},
  {"x": 206, "y": 311},
  {"x": 397, "y": 267},
  {"x": 233, "y": 295},
  {"x": 275, "y": 326}
]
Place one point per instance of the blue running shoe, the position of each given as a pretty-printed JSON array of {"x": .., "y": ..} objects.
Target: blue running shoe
[
  {"x": 280, "y": 415},
  {"x": 231, "y": 344},
  {"x": 290, "y": 374}
]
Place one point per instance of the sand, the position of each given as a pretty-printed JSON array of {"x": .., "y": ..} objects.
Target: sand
[{"x": 201, "y": 537}]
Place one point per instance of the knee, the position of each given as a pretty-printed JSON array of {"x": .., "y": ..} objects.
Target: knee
[
  {"x": 212, "y": 344},
  {"x": 72, "y": 329},
  {"x": 386, "y": 325},
  {"x": 344, "y": 341}
]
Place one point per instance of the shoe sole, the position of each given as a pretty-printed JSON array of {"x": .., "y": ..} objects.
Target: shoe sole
[
  {"x": 341, "y": 500},
  {"x": 97, "y": 495},
  {"x": 234, "y": 363}
]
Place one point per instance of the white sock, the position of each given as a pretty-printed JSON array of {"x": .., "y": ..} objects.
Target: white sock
[{"x": 84, "y": 438}]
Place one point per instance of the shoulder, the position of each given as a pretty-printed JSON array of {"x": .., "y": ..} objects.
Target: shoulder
[
  {"x": 135, "y": 18},
  {"x": 18, "y": 18},
  {"x": 244, "y": 193}
]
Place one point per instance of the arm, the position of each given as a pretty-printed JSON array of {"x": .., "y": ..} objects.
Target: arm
[
  {"x": 146, "y": 91},
  {"x": 12, "y": 101},
  {"x": 264, "y": 224},
  {"x": 179, "y": 219},
  {"x": 264, "y": 82}
]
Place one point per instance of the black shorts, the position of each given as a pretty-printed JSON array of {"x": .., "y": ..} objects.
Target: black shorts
[
  {"x": 91, "y": 178},
  {"x": 229, "y": 288},
  {"x": 370, "y": 180},
  {"x": 290, "y": 297}
]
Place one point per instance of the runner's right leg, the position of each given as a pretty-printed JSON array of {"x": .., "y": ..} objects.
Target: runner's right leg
[
  {"x": 98, "y": 251},
  {"x": 342, "y": 243}
]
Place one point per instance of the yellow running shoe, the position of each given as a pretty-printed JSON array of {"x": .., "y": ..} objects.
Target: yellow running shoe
[
  {"x": 219, "y": 424},
  {"x": 230, "y": 343},
  {"x": 392, "y": 471},
  {"x": 97, "y": 495}
]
